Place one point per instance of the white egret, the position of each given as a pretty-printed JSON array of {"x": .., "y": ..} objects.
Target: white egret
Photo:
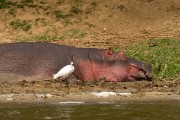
[{"x": 64, "y": 73}]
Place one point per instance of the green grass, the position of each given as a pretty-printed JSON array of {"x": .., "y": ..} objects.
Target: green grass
[
  {"x": 74, "y": 33},
  {"x": 42, "y": 38},
  {"x": 94, "y": 4},
  {"x": 91, "y": 7},
  {"x": 12, "y": 12},
  {"x": 22, "y": 4},
  {"x": 6, "y": 4},
  {"x": 59, "y": 14},
  {"x": 121, "y": 7},
  {"x": 67, "y": 22},
  {"x": 163, "y": 54},
  {"x": 21, "y": 24},
  {"x": 75, "y": 10},
  {"x": 27, "y": 1}
]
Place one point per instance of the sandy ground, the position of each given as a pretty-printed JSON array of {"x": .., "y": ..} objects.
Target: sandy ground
[{"x": 94, "y": 24}]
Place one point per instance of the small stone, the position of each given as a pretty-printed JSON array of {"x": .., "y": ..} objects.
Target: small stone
[
  {"x": 124, "y": 94},
  {"x": 9, "y": 99},
  {"x": 9, "y": 95},
  {"x": 48, "y": 96}
]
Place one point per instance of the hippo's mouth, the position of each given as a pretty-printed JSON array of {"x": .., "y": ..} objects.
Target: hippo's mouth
[
  {"x": 143, "y": 75},
  {"x": 137, "y": 73}
]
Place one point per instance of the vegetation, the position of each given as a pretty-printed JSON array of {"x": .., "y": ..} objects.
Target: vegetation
[
  {"x": 27, "y": 1},
  {"x": 12, "y": 12},
  {"x": 72, "y": 33},
  {"x": 75, "y": 10},
  {"x": 22, "y": 4},
  {"x": 18, "y": 24},
  {"x": 121, "y": 8},
  {"x": 59, "y": 14},
  {"x": 6, "y": 4},
  {"x": 42, "y": 38},
  {"x": 75, "y": 33},
  {"x": 163, "y": 54},
  {"x": 94, "y": 4},
  {"x": 91, "y": 8},
  {"x": 65, "y": 17}
]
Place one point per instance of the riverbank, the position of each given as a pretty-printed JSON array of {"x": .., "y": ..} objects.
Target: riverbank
[
  {"x": 99, "y": 92},
  {"x": 147, "y": 97}
]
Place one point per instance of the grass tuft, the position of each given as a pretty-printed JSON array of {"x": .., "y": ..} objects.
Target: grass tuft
[
  {"x": 6, "y": 4},
  {"x": 43, "y": 38},
  {"x": 75, "y": 33},
  {"x": 75, "y": 10},
  {"x": 27, "y": 1},
  {"x": 121, "y": 7},
  {"x": 18, "y": 24}
]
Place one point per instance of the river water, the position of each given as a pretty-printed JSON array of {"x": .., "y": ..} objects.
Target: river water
[{"x": 90, "y": 111}]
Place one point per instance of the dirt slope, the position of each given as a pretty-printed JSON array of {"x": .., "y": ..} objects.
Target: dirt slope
[{"x": 91, "y": 23}]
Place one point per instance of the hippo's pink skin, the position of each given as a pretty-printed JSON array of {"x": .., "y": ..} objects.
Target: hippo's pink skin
[
  {"x": 41, "y": 60},
  {"x": 94, "y": 71}
]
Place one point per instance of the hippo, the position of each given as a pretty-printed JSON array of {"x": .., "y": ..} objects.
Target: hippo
[{"x": 40, "y": 60}]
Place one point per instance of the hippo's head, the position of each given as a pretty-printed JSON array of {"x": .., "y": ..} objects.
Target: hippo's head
[
  {"x": 113, "y": 66},
  {"x": 132, "y": 69},
  {"x": 138, "y": 70}
]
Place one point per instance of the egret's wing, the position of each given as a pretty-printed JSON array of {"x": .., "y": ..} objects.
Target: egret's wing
[{"x": 65, "y": 71}]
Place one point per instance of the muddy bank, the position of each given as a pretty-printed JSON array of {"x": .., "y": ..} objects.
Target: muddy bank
[
  {"x": 53, "y": 91},
  {"x": 147, "y": 97}
]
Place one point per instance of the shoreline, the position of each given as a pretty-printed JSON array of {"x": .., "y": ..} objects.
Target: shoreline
[
  {"x": 146, "y": 97},
  {"x": 90, "y": 92}
]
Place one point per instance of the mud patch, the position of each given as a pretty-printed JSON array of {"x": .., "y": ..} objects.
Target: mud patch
[{"x": 50, "y": 90}]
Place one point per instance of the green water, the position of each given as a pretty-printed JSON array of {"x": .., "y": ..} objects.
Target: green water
[{"x": 90, "y": 111}]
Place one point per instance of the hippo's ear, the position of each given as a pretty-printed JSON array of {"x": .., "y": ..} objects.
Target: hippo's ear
[
  {"x": 110, "y": 51},
  {"x": 122, "y": 56}
]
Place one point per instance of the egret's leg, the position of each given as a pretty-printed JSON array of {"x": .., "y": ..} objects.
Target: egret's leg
[
  {"x": 61, "y": 81},
  {"x": 67, "y": 82},
  {"x": 65, "y": 79}
]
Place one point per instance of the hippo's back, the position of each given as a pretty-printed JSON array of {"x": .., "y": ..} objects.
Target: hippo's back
[{"x": 28, "y": 59}]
